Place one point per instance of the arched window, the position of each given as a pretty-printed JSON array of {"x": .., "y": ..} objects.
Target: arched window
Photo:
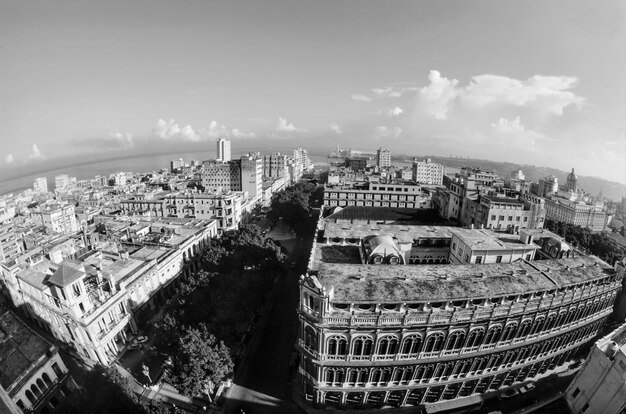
[
  {"x": 362, "y": 346},
  {"x": 475, "y": 337},
  {"x": 46, "y": 379},
  {"x": 524, "y": 328},
  {"x": 509, "y": 331},
  {"x": 551, "y": 321},
  {"x": 387, "y": 346},
  {"x": 493, "y": 335},
  {"x": 434, "y": 342},
  {"x": 455, "y": 340},
  {"x": 41, "y": 385},
  {"x": 334, "y": 375},
  {"x": 31, "y": 397},
  {"x": 411, "y": 344},
  {"x": 35, "y": 390},
  {"x": 337, "y": 346},
  {"x": 310, "y": 337}
]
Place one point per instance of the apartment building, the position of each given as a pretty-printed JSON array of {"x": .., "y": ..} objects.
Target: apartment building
[
  {"x": 383, "y": 158},
  {"x": 90, "y": 302},
  {"x": 57, "y": 218},
  {"x": 377, "y": 330},
  {"x": 428, "y": 172},
  {"x": 40, "y": 185},
  {"x": 376, "y": 195}
]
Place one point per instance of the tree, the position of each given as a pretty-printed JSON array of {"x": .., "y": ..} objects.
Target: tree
[
  {"x": 199, "y": 361},
  {"x": 292, "y": 204}
]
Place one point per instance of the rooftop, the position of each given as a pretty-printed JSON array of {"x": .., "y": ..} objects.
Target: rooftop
[
  {"x": 481, "y": 239},
  {"x": 21, "y": 350},
  {"x": 337, "y": 269},
  {"x": 408, "y": 215},
  {"x": 402, "y": 233}
]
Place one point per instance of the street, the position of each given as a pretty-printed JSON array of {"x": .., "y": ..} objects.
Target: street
[{"x": 261, "y": 380}]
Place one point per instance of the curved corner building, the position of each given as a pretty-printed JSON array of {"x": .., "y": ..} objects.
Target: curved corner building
[{"x": 377, "y": 328}]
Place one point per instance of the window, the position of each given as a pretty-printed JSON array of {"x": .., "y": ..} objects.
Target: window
[
  {"x": 526, "y": 219},
  {"x": 467, "y": 258},
  {"x": 585, "y": 407},
  {"x": 576, "y": 392},
  {"x": 493, "y": 217},
  {"x": 453, "y": 246},
  {"x": 501, "y": 218},
  {"x": 499, "y": 259},
  {"x": 517, "y": 218},
  {"x": 479, "y": 259},
  {"x": 528, "y": 257},
  {"x": 510, "y": 218}
]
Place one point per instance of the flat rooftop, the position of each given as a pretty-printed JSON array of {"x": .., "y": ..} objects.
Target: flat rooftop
[
  {"x": 21, "y": 350},
  {"x": 401, "y": 232},
  {"x": 408, "y": 215},
  {"x": 354, "y": 282},
  {"x": 482, "y": 239}
]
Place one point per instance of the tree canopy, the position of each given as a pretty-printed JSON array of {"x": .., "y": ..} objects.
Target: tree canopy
[
  {"x": 598, "y": 244},
  {"x": 292, "y": 204},
  {"x": 200, "y": 361}
]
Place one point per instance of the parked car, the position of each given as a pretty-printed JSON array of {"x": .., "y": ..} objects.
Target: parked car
[
  {"x": 508, "y": 393},
  {"x": 528, "y": 387},
  {"x": 142, "y": 339},
  {"x": 134, "y": 345}
]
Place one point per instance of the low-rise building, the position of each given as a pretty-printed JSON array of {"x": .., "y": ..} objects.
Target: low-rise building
[
  {"x": 32, "y": 374},
  {"x": 577, "y": 213},
  {"x": 377, "y": 195}
]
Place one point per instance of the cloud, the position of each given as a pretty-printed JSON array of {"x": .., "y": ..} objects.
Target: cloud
[
  {"x": 361, "y": 98},
  {"x": 508, "y": 127},
  {"x": 284, "y": 126},
  {"x": 9, "y": 159},
  {"x": 383, "y": 131},
  {"x": 124, "y": 138},
  {"x": 240, "y": 134},
  {"x": 36, "y": 154},
  {"x": 171, "y": 130},
  {"x": 548, "y": 94},
  {"x": 437, "y": 96},
  {"x": 213, "y": 131},
  {"x": 335, "y": 128},
  {"x": 390, "y": 112},
  {"x": 392, "y": 91}
]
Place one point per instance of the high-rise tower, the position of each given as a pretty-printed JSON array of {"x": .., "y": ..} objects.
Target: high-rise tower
[{"x": 223, "y": 150}]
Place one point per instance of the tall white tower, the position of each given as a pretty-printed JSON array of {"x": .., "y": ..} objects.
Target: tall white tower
[{"x": 223, "y": 150}]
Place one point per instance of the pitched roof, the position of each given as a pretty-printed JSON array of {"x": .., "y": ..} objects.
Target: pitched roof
[{"x": 67, "y": 273}]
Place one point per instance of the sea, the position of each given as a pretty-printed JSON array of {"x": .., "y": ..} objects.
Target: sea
[{"x": 136, "y": 164}]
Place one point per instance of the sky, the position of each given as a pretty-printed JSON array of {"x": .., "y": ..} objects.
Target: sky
[{"x": 532, "y": 82}]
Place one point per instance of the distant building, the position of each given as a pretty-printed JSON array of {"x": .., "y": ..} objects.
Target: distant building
[
  {"x": 577, "y": 213},
  {"x": 383, "y": 158},
  {"x": 548, "y": 186},
  {"x": 571, "y": 183},
  {"x": 428, "y": 172},
  {"x": 218, "y": 176},
  {"x": 32, "y": 373},
  {"x": 377, "y": 195},
  {"x": 252, "y": 176},
  {"x": 9, "y": 246},
  {"x": 481, "y": 176},
  {"x": 274, "y": 166},
  {"x": 58, "y": 218},
  {"x": 502, "y": 213},
  {"x": 176, "y": 165},
  {"x": 356, "y": 164},
  {"x": 40, "y": 186},
  {"x": 599, "y": 385},
  {"x": 223, "y": 150},
  {"x": 62, "y": 181}
]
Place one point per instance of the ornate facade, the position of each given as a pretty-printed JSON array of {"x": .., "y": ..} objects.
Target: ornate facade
[{"x": 403, "y": 334}]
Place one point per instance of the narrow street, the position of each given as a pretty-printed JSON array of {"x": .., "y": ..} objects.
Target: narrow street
[{"x": 262, "y": 379}]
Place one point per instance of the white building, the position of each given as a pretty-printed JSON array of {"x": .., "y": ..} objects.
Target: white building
[
  {"x": 223, "y": 150},
  {"x": 62, "y": 181},
  {"x": 428, "y": 172},
  {"x": 383, "y": 158},
  {"x": 58, "y": 218},
  {"x": 40, "y": 186}
]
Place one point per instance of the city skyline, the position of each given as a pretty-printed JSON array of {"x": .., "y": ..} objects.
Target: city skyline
[{"x": 520, "y": 82}]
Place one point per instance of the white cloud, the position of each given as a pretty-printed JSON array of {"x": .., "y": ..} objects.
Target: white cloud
[
  {"x": 392, "y": 91},
  {"x": 36, "y": 153},
  {"x": 170, "y": 130},
  {"x": 361, "y": 98},
  {"x": 548, "y": 94},
  {"x": 335, "y": 128},
  {"x": 509, "y": 127},
  {"x": 125, "y": 138},
  {"x": 9, "y": 159},
  {"x": 437, "y": 96},
  {"x": 213, "y": 131},
  {"x": 240, "y": 134},
  {"x": 284, "y": 126},
  {"x": 383, "y": 131},
  {"x": 390, "y": 112}
]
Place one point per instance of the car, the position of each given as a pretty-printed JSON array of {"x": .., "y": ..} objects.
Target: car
[
  {"x": 134, "y": 346},
  {"x": 508, "y": 393},
  {"x": 142, "y": 339},
  {"x": 528, "y": 387}
]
